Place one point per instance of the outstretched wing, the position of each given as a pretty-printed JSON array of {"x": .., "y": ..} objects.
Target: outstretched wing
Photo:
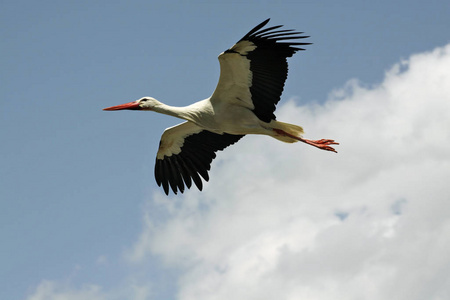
[
  {"x": 185, "y": 152},
  {"x": 253, "y": 71}
]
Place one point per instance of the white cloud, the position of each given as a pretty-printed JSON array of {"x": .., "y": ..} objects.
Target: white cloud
[
  {"x": 51, "y": 290},
  {"x": 280, "y": 221},
  {"x": 65, "y": 290}
]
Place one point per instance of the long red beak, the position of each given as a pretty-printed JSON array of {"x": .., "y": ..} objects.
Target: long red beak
[{"x": 131, "y": 105}]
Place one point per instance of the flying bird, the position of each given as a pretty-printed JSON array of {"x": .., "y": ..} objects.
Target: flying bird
[{"x": 252, "y": 76}]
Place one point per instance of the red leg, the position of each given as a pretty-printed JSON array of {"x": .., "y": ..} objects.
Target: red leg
[{"x": 323, "y": 144}]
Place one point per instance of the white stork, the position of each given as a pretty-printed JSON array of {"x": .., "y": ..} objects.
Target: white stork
[{"x": 252, "y": 76}]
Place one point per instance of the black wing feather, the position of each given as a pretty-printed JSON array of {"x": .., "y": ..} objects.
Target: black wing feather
[
  {"x": 258, "y": 27},
  {"x": 195, "y": 159},
  {"x": 269, "y": 66}
]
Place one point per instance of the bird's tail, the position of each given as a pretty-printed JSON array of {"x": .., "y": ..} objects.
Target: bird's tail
[{"x": 290, "y": 129}]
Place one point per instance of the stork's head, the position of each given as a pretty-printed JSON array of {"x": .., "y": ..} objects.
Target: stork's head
[{"x": 145, "y": 103}]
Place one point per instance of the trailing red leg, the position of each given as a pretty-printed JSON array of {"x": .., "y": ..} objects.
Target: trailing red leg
[{"x": 323, "y": 144}]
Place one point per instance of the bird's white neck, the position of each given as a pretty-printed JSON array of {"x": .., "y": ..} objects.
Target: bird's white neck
[
  {"x": 179, "y": 112},
  {"x": 200, "y": 113}
]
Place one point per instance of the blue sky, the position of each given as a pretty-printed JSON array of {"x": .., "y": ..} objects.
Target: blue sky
[{"x": 81, "y": 215}]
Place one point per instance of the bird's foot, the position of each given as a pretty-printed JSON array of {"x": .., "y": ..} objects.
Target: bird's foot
[{"x": 323, "y": 144}]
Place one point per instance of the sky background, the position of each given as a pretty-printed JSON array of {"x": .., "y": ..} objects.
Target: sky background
[{"x": 81, "y": 217}]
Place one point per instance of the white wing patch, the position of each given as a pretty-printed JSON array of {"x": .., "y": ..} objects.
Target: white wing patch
[
  {"x": 235, "y": 76},
  {"x": 243, "y": 47},
  {"x": 173, "y": 138}
]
